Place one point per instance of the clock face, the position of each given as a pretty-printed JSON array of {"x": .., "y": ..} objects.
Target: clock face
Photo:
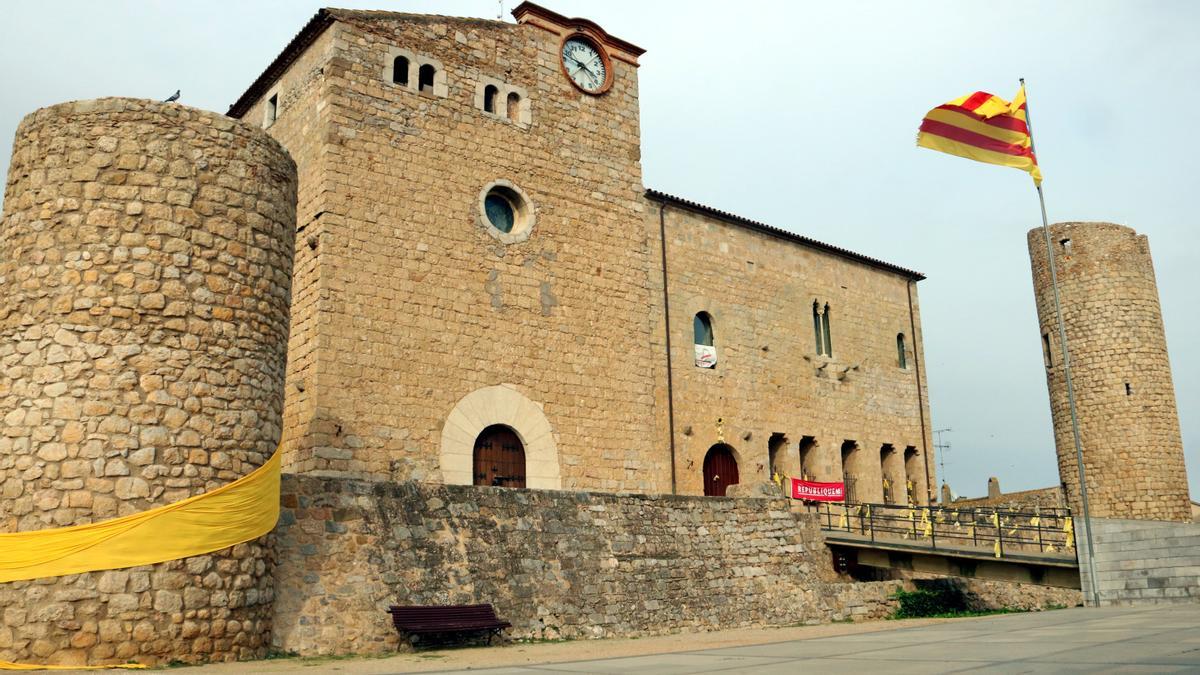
[{"x": 584, "y": 64}]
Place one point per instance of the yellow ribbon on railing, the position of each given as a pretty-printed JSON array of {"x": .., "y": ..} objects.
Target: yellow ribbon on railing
[
  {"x": 234, "y": 513},
  {"x": 1069, "y": 530},
  {"x": 928, "y": 529},
  {"x": 996, "y": 522}
]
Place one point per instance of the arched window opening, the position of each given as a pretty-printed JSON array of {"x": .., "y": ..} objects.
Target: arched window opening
[
  {"x": 777, "y": 459},
  {"x": 720, "y": 470},
  {"x": 826, "y": 316},
  {"x": 499, "y": 458},
  {"x": 489, "y": 98},
  {"x": 850, "y": 468},
  {"x": 892, "y": 470},
  {"x": 901, "y": 358},
  {"x": 912, "y": 472},
  {"x": 400, "y": 71},
  {"x": 817, "y": 328},
  {"x": 514, "y": 106},
  {"x": 425, "y": 78},
  {"x": 706, "y": 353},
  {"x": 808, "y": 458}
]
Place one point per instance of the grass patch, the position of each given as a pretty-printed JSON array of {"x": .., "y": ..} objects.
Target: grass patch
[
  {"x": 942, "y": 602},
  {"x": 939, "y": 603},
  {"x": 962, "y": 614}
]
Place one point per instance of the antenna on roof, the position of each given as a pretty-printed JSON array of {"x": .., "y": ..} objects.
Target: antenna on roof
[{"x": 501, "y": 14}]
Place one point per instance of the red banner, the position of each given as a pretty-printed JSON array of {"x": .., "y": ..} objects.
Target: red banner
[{"x": 818, "y": 492}]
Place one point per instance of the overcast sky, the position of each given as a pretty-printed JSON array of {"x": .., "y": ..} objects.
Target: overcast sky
[{"x": 804, "y": 115}]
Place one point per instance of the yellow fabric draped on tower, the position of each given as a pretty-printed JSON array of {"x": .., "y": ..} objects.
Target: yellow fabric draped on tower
[{"x": 234, "y": 513}]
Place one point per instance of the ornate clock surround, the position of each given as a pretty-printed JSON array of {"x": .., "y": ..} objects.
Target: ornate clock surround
[
  {"x": 598, "y": 45},
  {"x": 610, "y": 47}
]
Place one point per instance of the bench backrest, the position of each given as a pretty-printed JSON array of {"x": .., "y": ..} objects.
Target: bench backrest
[{"x": 418, "y": 614}]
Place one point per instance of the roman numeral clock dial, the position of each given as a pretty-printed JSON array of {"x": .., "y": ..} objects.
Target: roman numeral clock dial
[{"x": 586, "y": 65}]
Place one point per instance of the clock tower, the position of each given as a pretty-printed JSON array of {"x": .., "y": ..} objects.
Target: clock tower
[{"x": 475, "y": 271}]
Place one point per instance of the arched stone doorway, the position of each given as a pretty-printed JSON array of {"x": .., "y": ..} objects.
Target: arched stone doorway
[
  {"x": 499, "y": 405},
  {"x": 720, "y": 470},
  {"x": 499, "y": 458}
]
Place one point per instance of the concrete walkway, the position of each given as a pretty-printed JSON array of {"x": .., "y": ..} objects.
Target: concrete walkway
[{"x": 1161, "y": 639}]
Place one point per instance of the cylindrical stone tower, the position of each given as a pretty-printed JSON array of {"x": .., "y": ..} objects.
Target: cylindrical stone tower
[
  {"x": 145, "y": 262},
  {"x": 1132, "y": 448}
]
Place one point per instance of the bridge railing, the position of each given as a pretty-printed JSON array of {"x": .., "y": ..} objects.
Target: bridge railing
[{"x": 1041, "y": 530}]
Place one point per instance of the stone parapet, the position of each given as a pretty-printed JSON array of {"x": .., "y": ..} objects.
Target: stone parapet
[{"x": 145, "y": 260}]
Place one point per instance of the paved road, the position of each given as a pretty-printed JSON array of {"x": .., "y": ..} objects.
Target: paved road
[{"x": 1162, "y": 639}]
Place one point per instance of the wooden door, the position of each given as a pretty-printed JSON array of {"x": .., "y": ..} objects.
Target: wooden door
[
  {"x": 499, "y": 458},
  {"x": 720, "y": 470}
]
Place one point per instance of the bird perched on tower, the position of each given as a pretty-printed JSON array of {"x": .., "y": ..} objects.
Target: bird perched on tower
[{"x": 173, "y": 97}]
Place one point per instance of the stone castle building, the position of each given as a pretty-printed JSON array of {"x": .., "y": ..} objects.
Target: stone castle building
[
  {"x": 479, "y": 294},
  {"x": 486, "y": 293}
]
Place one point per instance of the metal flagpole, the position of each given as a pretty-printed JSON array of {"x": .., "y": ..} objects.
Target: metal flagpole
[{"x": 1066, "y": 358}]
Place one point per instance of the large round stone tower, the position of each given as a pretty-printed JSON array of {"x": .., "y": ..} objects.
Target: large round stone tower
[
  {"x": 1132, "y": 448},
  {"x": 145, "y": 262}
]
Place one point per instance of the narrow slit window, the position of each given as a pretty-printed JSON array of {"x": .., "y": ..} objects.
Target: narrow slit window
[
  {"x": 489, "y": 98},
  {"x": 272, "y": 110},
  {"x": 702, "y": 329},
  {"x": 1128, "y": 389},
  {"x": 400, "y": 71},
  {"x": 1046, "y": 351},
  {"x": 901, "y": 358},
  {"x": 514, "y": 106},
  {"x": 825, "y": 319},
  {"x": 425, "y": 78},
  {"x": 817, "y": 328}
]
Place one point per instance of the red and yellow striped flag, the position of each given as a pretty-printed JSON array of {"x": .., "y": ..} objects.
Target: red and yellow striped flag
[{"x": 985, "y": 128}]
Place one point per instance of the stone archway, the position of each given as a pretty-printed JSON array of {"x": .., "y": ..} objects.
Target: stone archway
[{"x": 489, "y": 406}]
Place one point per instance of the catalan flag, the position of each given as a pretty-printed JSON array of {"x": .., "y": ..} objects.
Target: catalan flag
[{"x": 985, "y": 128}]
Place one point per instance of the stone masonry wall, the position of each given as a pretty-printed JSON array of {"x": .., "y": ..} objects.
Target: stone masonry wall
[
  {"x": 419, "y": 306},
  {"x": 296, "y": 127},
  {"x": 145, "y": 258},
  {"x": 1051, "y": 497},
  {"x": 560, "y": 564},
  {"x": 769, "y": 379},
  {"x": 1129, "y": 426},
  {"x": 1142, "y": 562}
]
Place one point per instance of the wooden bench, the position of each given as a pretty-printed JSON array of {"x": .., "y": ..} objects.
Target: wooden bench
[{"x": 425, "y": 620}]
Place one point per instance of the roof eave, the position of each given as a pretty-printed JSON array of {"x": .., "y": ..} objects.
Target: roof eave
[
  {"x": 734, "y": 219},
  {"x": 312, "y": 30}
]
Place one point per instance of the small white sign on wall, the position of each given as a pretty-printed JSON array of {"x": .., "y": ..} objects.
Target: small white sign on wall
[{"x": 706, "y": 356}]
